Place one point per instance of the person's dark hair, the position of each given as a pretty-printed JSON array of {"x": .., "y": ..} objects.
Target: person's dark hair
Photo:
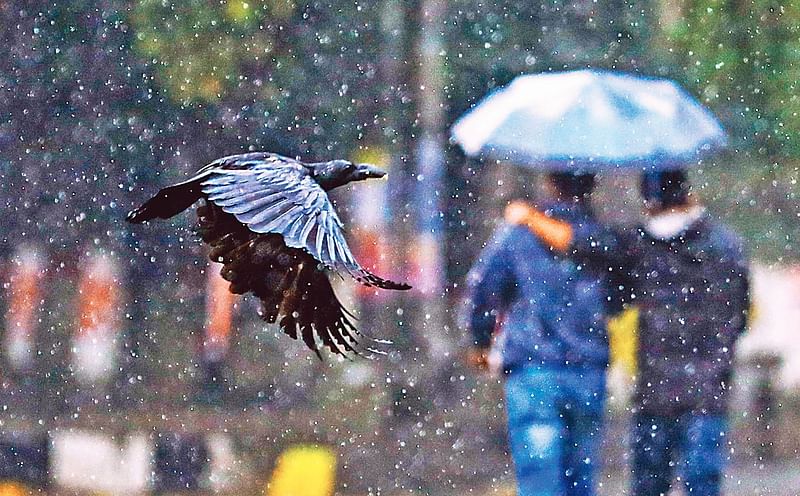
[
  {"x": 665, "y": 189},
  {"x": 570, "y": 185}
]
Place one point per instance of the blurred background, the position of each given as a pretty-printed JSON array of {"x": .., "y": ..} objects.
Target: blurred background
[{"x": 125, "y": 366}]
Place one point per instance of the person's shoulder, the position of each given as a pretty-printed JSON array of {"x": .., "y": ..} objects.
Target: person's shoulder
[
  {"x": 720, "y": 230},
  {"x": 570, "y": 212},
  {"x": 508, "y": 235},
  {"x": 578, "y": 215},
  {"x": 722, "y": 235},
  {"x": 632, "y": 232},
  {"x": 518, "y": 236},
  {"x": 519, "y": 241}
]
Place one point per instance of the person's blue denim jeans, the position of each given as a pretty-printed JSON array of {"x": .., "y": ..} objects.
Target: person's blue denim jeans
[
  {"x": 555, "y": 418},
  {"x": 692, "y": 444}
]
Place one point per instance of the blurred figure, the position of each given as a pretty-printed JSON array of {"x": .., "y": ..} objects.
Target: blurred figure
[
  {"x": 216, "y": 337},
  {"x": 688, "y": 275},
  {"x": 24, "y": 459},
  {"x": 180, "y": 461},
  {"x": 24, "y": 290},
  {"x": 554, "y": 345},
  {"x": 95, "y": 339}
]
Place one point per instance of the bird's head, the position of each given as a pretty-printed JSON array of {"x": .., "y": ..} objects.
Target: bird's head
[{"x": 336, "y": 173}]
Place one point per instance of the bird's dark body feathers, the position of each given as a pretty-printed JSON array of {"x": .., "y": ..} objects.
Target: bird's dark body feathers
[{"x": 269, "y": 221}]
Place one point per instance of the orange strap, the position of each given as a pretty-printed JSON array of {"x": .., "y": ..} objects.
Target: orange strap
[{"x": 553, "y": 232}]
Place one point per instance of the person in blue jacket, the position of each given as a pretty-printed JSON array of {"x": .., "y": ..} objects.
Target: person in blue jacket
[{"x": 551, "y": 312}]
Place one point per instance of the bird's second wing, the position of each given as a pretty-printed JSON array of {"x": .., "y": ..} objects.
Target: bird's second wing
[
  {"x": 287, "y": 201},
  {"x": 294, "y": 293},
  {"x": 311, "y": 310}
]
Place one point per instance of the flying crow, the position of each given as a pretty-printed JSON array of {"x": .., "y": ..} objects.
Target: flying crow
[{"x": 268, "y": 220}]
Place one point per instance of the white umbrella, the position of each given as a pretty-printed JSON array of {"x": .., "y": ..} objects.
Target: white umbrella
[{"x": 588, "y": 120}]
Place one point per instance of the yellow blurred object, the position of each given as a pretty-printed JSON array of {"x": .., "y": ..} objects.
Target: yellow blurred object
[
  {"x": 239, "y": 10},
  {"x": 245, "y": 11},
  {"x": 13, "y": 488},
  {"x": 303, "y": 470},
  {"x": 623, "y": 339},
  {"x": 752, "y": 313},
  {"x": 210, "y": 88}
]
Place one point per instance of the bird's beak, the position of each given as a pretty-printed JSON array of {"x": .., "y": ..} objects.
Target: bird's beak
[{"x": 369, "y": 171}]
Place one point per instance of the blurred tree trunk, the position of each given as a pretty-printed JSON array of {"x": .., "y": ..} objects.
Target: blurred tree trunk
[
  {"x": 430, "y": 167},
  {"x": 394, "y": 76}
]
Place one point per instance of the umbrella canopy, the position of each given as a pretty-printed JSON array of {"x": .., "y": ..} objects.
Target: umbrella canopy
[{"x": 590, "y": 120}]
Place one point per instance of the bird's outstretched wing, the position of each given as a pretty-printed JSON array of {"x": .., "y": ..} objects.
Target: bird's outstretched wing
[
  {"x": 294, "y": 293},
  {"x": 277, "y": 195},
  {"x": 174, "y": 199}
]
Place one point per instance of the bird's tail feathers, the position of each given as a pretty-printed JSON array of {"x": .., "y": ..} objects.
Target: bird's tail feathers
[{"x": 367, "y": 278}]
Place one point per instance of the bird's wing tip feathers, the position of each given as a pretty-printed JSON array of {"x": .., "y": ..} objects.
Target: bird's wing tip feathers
[
  {"x": 133, "y": 217},
  {"x": 398, "y": 286}
]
